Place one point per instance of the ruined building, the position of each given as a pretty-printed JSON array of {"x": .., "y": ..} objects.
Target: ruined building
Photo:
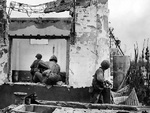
[{"x": 80, "y": 42}]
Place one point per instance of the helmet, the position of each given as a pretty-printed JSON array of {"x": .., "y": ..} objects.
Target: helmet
[
  {"x": 38, "y": 56},
  {"x": 105, "y": 64},
  {"x": 53, "y": 58}
]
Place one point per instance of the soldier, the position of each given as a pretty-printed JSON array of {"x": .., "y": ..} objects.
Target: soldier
[
  {"x": 35, "y": 64},
  {"x": 98, "y": 83},
  {"x": 50, "y": 74}
]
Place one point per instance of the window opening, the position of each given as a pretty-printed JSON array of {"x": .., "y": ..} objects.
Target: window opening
[{"x": 23, "y": 53}]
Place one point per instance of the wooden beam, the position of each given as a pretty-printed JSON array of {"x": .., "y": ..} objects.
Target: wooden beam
[
  {"x": 90, "y": 105},
  {"x": 38, "y": 37}
]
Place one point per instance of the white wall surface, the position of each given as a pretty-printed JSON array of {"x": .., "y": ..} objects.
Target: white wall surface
[{"x": 23, "y": 53}]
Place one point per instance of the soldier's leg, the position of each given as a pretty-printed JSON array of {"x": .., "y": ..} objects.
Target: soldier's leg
[
  {"x": 95, "y": 98},
  {"x": 38, "y": 77}
]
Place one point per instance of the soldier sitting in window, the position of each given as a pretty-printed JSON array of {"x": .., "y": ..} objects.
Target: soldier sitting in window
[
  {"x": 34, "y": 65},
  {"x": 51, "y": 73}
]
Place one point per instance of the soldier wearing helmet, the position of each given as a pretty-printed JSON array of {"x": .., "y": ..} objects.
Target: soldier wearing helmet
[
  {"x": 50, "y": 75},
  {"x": 35, "y": 64},
  {"x": 98, "y": 83}
]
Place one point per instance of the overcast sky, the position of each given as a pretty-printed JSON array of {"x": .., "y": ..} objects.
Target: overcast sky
[
  {"x": 131, "y": 22},
  {"x": 129, "y": 18}
]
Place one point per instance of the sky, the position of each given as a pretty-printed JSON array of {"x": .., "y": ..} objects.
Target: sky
[
  {"x": 36, "y": 2},
  {"x": 131, "y": 22},
  {"x": 129, "y": 18}
]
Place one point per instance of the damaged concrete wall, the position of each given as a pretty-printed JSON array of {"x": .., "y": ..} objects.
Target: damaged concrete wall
[
  {"x": 3, "y": 64},
  {"x": 3, "y": 43},
  {"x": 91, "y": 47},
  {"x": 92, "y": 43}
]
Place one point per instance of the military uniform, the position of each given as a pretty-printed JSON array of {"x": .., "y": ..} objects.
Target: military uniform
[
  {"x": 97, "y": 86},
  {"x": 50, "y": 72},
  {"x": 96, "y": 90},
  {"x": 35, "y": 64},
  {"x": 51, "y": 75}
]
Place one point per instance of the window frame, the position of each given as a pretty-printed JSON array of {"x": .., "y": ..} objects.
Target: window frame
[{"x": 11, "y": 37}]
